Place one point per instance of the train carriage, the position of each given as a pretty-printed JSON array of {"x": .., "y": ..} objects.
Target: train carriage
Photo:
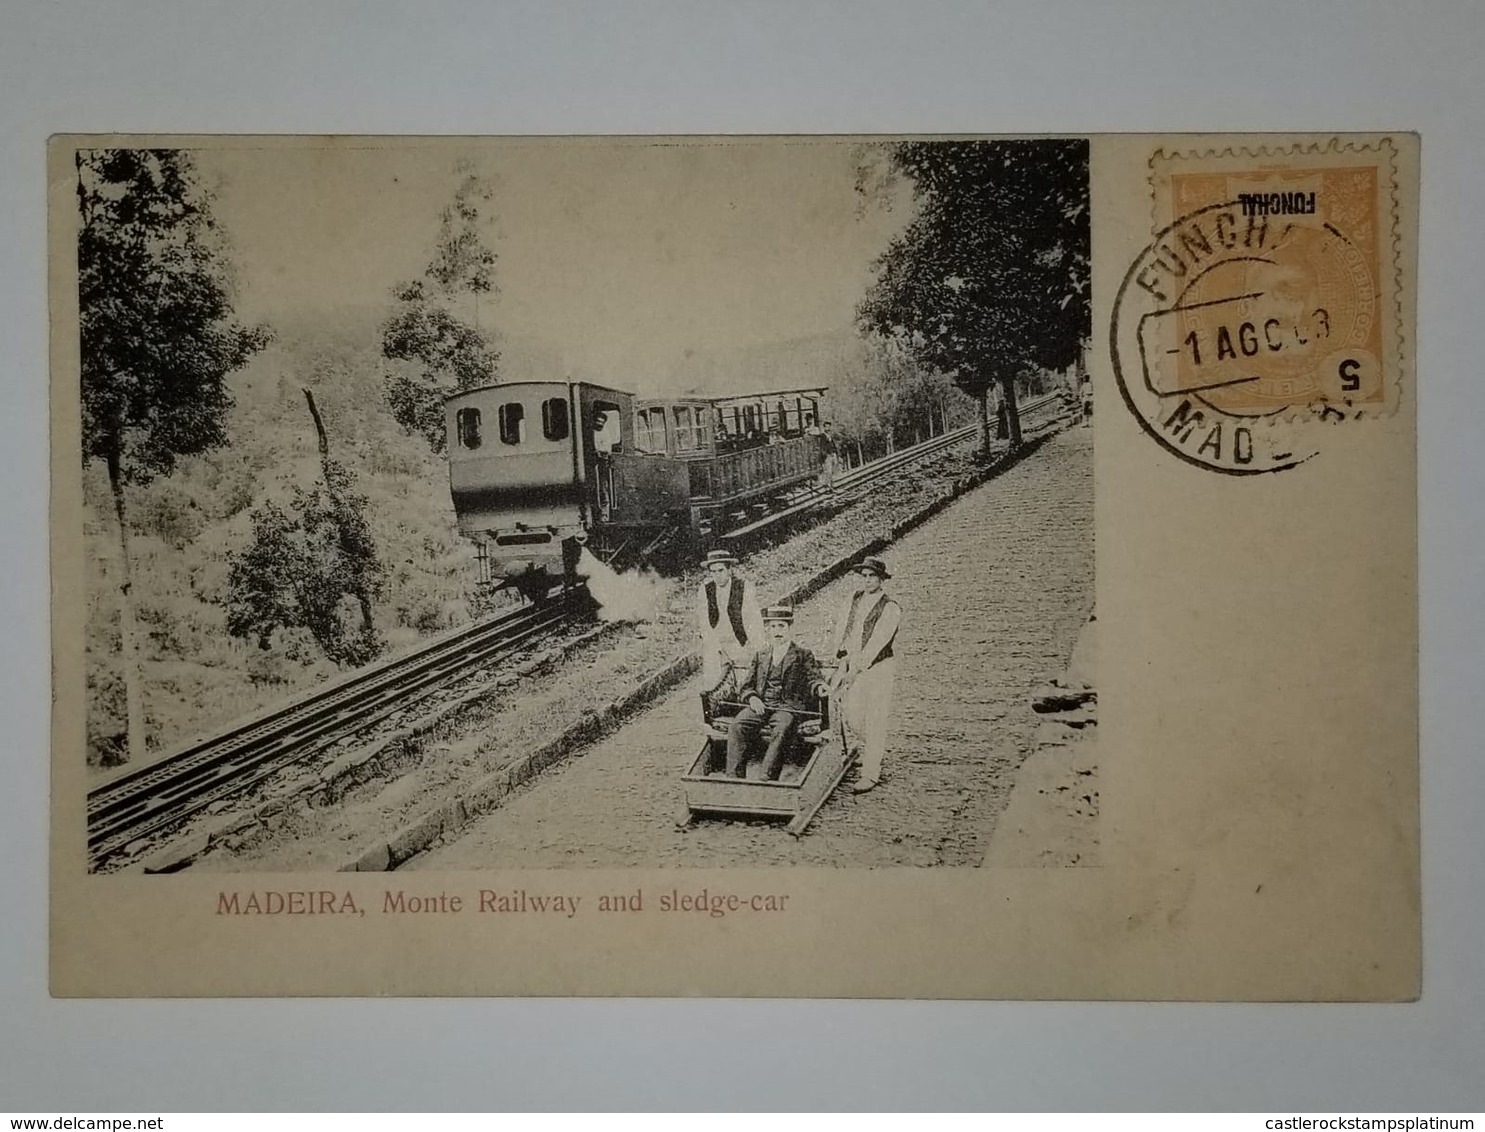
[
  {"x": 525, "y": 472},
  {"x": 538, "y": 470}
]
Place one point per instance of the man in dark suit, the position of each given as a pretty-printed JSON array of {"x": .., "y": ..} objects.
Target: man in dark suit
[{"x": 783, "y": 677}]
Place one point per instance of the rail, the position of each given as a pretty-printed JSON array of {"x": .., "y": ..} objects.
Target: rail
[{"x": 154, "y": 798}]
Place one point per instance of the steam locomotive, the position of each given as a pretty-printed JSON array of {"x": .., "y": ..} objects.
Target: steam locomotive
[{"x": 541, "y": 469}]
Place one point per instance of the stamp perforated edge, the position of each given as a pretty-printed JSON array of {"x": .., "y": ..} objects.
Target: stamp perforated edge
[{"x": 1384, "y": 149}]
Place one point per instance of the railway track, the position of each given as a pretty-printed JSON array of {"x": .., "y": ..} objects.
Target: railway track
[
  {"x": 852, "y": 485},
  {"x": 858, "y": 480},
  {"x": 153, "y": 799}
]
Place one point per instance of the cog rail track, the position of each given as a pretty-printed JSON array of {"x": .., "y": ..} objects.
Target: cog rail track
[{"x": 154, "y": 798}]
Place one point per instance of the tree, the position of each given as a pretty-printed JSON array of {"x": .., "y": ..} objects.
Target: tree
[
  {"x": 863, "y": 404},
  {"x": 158, "y": 339},
  {"x": 887, "y": 396},
  {"x": 436, "y": 351},
  {"x": 990, "y": 279},
  {"x": 303, "y": 566}
]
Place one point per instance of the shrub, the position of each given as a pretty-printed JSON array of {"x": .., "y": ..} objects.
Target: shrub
[
  {"x": 303, "y": 565},
  {"x": 168, "y": 512}
]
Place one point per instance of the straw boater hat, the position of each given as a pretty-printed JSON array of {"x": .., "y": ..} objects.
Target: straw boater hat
[
  {"x": 873, "y": 566},
  {"x": 778, "y": 613},
  {"x": 720, "y": 557}
]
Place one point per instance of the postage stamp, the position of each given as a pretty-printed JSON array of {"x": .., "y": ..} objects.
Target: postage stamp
[{"x": 1266, "y": 302}]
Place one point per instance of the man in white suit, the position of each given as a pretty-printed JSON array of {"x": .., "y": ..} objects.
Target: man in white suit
[
  {"x": 729, "y": 619},
  {"x": 867, "y": 668}
]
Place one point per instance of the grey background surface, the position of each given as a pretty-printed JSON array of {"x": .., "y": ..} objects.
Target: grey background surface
[{"x": 471, "y": 68}]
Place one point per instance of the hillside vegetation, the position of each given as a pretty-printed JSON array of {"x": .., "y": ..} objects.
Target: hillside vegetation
[{"x": 184, "y": 527}]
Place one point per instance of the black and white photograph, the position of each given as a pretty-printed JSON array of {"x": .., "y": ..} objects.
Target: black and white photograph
[
  {"x": 586, "y": 504},
  {"x": 612, "y": 565},
  {"x": 643, "y": 556}
]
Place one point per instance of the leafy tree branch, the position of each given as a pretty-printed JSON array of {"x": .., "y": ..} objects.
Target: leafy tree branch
[
  {"x": 990, "y": 279},
  {"x": 435, "y": 349}
]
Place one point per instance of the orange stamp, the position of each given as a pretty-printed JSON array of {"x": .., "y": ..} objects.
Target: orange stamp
[{"x": 1267, "y": 298}]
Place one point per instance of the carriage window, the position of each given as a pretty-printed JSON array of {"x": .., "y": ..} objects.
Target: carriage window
[
  {"x": 467, "y": 425},
  {"x": 653, "y": 422},
  {"x": 554, "y": 418},
  {"x": 608, "y": 433},
  {"x": 684, "y": 437},
  {"x": 642, "y": 431},
  {"x": 512, "y": 423}
]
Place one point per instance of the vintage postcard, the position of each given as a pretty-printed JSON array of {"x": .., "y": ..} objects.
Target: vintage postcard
[{"x": 977, "y": 567}]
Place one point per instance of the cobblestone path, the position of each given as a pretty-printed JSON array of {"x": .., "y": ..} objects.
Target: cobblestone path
[{"x": 994, "y": 591}]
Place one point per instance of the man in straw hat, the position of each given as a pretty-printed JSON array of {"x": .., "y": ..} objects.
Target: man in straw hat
[
  {"x": 727, "y": 613},
  {"x": 867, "y": 669},
  {"x": 780, "y": 682}
]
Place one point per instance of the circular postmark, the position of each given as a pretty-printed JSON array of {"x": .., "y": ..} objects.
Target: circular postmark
[{"x": 1235, "y": 330}]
